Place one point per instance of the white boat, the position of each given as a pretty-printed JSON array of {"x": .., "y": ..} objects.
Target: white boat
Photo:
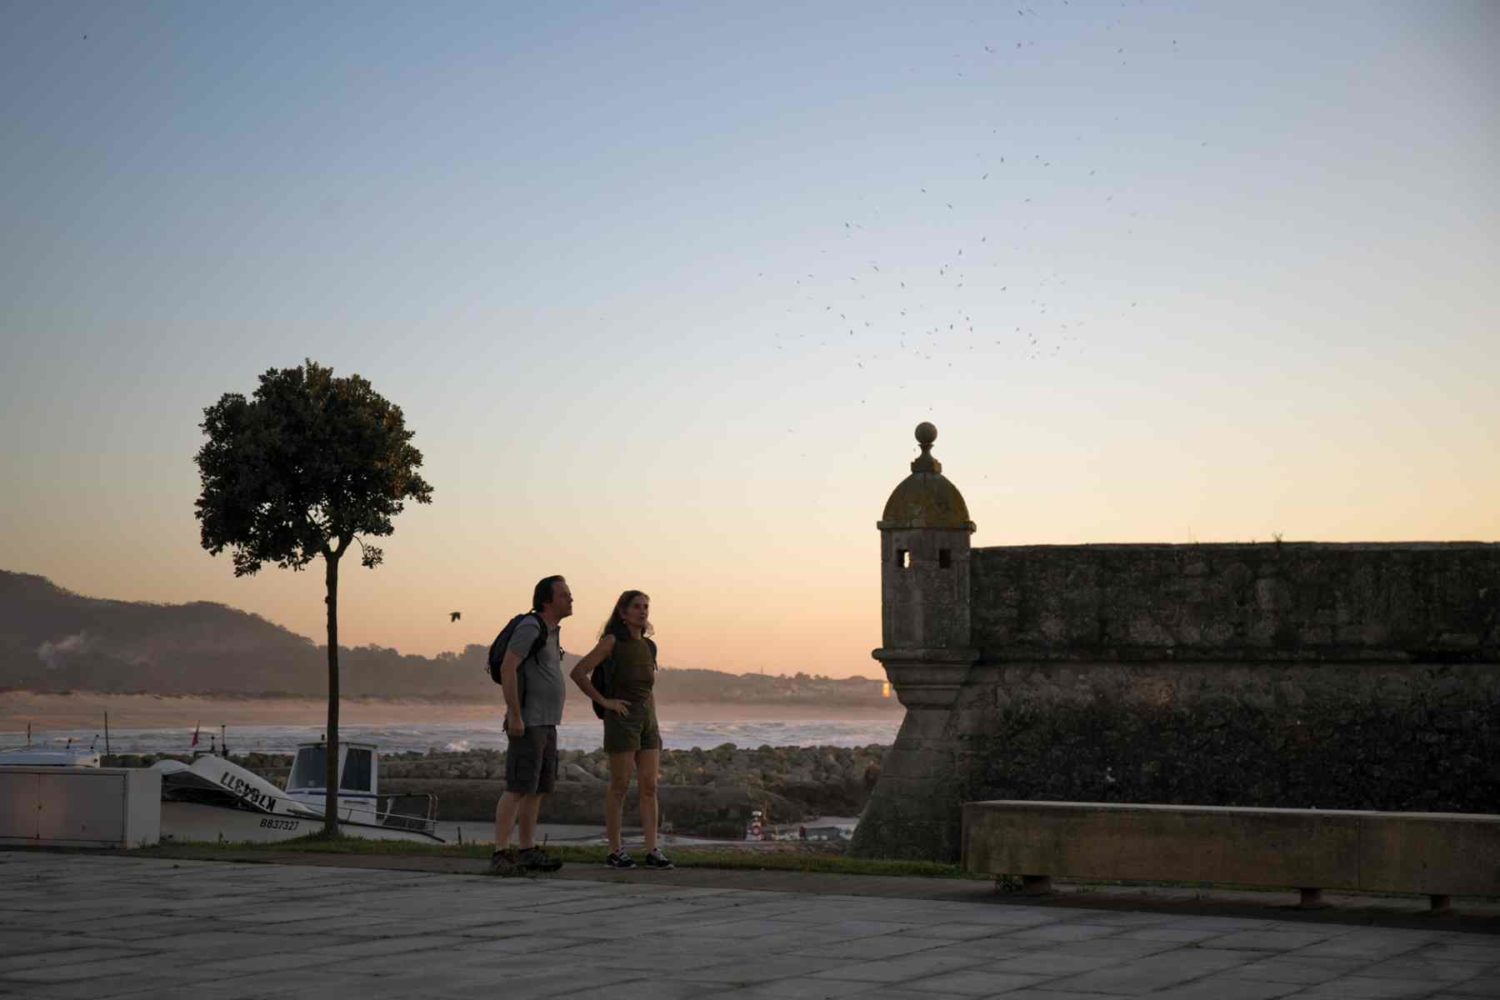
[
  {"x": 215, "y": 800},
  {"x": 43, "y": 756}
]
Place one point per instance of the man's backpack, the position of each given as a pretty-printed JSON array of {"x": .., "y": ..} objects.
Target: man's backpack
[
  {"x": 502, "y": 643},
  {"x": 603, "y": 679}
]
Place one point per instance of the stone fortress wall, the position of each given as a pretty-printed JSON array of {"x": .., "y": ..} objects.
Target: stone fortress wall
[{"x": 1341, "y": 676}]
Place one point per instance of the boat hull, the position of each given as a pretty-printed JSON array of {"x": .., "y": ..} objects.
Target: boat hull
[{"x": 194, "y": 821}]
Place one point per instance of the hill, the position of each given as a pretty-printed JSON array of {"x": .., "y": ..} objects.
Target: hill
[{"x": 54, "y": 640}]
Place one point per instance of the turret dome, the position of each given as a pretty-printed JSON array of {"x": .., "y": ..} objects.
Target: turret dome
[{"x": 926, "y": 499}]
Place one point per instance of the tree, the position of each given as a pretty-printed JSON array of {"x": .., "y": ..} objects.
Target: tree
[{"x": 308, "y": 466}]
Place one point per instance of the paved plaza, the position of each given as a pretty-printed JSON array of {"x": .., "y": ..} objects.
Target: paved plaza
[{"x": 78, "y": 925}]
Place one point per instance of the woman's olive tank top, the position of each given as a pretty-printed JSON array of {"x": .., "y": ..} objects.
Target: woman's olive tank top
[{"x": 635, "y": 670}]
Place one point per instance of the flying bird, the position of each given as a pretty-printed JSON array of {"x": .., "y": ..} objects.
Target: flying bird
[{"x": 454, "y": 616}]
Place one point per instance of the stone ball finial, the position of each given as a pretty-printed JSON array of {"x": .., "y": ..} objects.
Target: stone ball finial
[{"x": 926, "y": 434}]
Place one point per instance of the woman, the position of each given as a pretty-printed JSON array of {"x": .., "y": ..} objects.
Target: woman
[{"x": 631, "y": 736}]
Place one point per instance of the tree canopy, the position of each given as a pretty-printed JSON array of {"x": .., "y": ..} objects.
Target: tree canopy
[{"x": 307, "y": 465}]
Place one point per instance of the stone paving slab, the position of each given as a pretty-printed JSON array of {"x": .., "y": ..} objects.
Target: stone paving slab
[{"x": 117, "y": 927}]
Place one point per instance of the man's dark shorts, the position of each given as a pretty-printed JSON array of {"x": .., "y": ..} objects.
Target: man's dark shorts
[{"x": 531, "y": 761}]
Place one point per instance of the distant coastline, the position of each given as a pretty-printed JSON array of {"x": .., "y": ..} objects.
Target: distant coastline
[
  {"x": 85, "y": 709},
  {"x": 66, "y": 645}
]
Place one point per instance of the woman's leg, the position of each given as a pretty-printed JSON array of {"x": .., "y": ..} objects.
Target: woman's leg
[
  {"x": 621, "y": 765},
  {"x": 648, "y": 764}
]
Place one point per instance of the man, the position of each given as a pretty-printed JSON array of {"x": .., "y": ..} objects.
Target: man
[{"x": 531, "y": 727}]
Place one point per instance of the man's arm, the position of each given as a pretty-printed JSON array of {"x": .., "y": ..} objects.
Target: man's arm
[
  {"x": 521, "y": 645},
  {"x": 582, "y": 674},
  {"x": 511, "y": 683}
]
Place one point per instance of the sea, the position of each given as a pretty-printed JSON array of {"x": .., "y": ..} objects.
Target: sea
[{"x": 463, "y": 736}]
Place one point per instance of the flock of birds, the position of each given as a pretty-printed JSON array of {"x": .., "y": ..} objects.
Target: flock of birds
[{"x": 952, "y": 273}]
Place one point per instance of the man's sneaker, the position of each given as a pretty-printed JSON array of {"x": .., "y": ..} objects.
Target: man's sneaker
[
  {"x": 534, "y": 859},
  {"x": 504, "y": 862},
  {"x": 620, "y": 859},
  {"x": 656, "y": 859}
]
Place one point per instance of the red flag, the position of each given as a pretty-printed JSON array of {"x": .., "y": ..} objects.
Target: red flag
[{"x": 195, "y": 735}]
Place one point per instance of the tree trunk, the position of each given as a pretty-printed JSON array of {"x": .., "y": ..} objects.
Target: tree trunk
[{"x": 331, "y": 784}]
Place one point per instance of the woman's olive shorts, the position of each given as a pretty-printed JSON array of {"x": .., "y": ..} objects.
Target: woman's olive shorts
[{"x": 625, "y": 733}]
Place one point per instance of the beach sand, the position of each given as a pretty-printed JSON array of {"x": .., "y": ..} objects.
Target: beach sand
[{"x": 81, "y": 710}]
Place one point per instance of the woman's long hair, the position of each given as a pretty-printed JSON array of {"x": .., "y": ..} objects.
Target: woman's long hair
[{"x": 616, "y": 625}]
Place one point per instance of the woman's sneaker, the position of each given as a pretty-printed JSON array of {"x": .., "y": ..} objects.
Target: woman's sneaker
[
  {"x": 620, "y": 859},
  {"x": 656, "y": 859}
]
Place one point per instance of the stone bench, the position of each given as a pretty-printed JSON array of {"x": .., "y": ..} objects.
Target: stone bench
[{"x": 1439, "y": 855}]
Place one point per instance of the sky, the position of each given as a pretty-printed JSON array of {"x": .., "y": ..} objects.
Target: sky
[{"x": 663, "y": 289}]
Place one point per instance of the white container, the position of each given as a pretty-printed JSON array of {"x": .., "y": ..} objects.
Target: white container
[{"x": 79, "y": 806}]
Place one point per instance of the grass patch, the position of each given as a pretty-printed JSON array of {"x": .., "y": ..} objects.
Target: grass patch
[{"x": 683, "y": 857}]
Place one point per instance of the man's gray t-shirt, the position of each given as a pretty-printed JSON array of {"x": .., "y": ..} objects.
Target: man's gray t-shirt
[{"x": 543, "y": 704}]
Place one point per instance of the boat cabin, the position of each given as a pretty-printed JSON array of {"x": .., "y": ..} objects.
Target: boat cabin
[{"x": 359, "y": 767}]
